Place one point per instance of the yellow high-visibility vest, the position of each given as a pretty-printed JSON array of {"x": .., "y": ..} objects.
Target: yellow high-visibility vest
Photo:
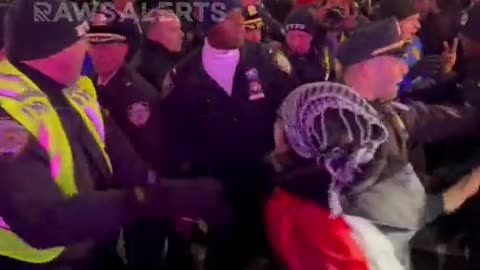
[{"x": 30, "y": 107}]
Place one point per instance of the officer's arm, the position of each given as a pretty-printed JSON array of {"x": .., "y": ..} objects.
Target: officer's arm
[
  {"x": 434, "y": 123},
  {"x": 34, "y": 207},
  {"x": 128, "y": 167}
]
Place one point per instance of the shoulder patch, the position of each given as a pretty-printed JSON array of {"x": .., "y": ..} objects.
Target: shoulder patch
[
  {"x": 282, "y": 62},
  {"x": 13, "y": 137},
  {"x": 139, "y": 113}
]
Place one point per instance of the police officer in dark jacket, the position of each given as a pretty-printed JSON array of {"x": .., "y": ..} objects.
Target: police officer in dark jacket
[
  {"x": 310, "y": 62},
  {"x": 34, "y": 207},
  {"x": 220, "y": 114},
  {"x": 374, "y": 69},
  {"x": 218, "y": 119},
  {"x": 113, "y": 78},
  {"x": 162, "y": 46}
]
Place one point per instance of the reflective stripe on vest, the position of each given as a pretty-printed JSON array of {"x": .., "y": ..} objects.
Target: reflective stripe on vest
[{"x": 30, "y": 107}]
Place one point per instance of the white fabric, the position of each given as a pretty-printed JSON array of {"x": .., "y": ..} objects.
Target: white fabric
[
  {"x": 220, "y": 65},
  {"x": 377, "y": 248}
]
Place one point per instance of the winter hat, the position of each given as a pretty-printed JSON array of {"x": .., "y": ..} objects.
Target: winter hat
[
  {"x": 332, "y": 124},
  {"x": 215, "y": 12},
  {"x": 36, "y": 29},
  {"x": 400, "y": 9},
  {"x": 300, "y": 19}
]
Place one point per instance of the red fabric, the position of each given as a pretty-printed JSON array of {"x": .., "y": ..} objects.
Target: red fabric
[
  {"x": 305, "y": 238},
  {"x": 304, "y": 2}
]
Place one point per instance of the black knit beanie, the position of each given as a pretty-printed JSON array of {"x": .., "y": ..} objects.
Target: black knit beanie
[
  {"x": 36, "y": 29},
  {"x": 400, "y": 9},
  {"x": 300, "y": 19}
]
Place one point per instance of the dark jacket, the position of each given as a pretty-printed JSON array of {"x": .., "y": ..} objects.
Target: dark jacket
[
  {"x": 220, "y": 134},
  {"x": 126, "y": 99},
  {"x": 316, "y": 66},
  {"x": 38, "y": 211},
  {"x": 155, "y": 62}
]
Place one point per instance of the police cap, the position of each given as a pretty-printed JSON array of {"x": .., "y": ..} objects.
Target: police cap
[
  {"x": 110, "y": 29},
  {"x": 471, "y": 23},
  {"x": 252, "y": 18},
  {"x": 375, "y": 39}
]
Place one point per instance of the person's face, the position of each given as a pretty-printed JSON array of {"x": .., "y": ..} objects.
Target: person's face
[
  {"x": 229, "y": 34},
  {"x": 410, "y": 26},
  {"x": 107, "y": 58},
  {"x": 385, "y": 74},
  {"x": 299, "y": 41},
  {"x": 254, "y": 35},
  {"x": 70, "y": 61},
  {"x": 169, "y": 33}
]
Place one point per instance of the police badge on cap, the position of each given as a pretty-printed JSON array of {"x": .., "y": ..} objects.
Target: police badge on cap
[{"x": 139, "y": 113}]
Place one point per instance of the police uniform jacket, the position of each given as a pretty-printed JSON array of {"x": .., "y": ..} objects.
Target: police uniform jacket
[
  {"x": 36, "y": 208},
  {"x": 220, "y": 134},
  {"x": 407, "y": 125},
  {"x": 155, "y": 62},
  {"x": 126, "y": 99},
  {"x": 316, "y": 66}
]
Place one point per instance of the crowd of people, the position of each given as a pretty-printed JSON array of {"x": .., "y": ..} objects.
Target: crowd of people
[{"x": 283, "y": 134}]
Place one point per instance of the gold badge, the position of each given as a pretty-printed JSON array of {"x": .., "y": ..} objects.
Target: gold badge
[
  {"x": 139, "y": 113},
  {"x": 282, "y": 62},
  {"x": 13, "y": 137}
]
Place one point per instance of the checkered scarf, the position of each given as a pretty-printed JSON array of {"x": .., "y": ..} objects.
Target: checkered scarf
[{"x": 307, "y": 105}]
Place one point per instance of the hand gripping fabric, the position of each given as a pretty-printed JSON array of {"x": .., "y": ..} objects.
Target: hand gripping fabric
[{"x": 307, "y": 105}]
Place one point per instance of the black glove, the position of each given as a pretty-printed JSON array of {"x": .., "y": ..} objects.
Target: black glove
[
  {"x": 199, "y": 198},
  {"x": 427, "y": 66}
]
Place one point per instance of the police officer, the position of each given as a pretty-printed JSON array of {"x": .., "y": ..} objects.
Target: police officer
[
  {"x": 224, "y": 98},
  {"x": 109, "y": 48},
  {"x": 58, "y": 160},
  {"x": 310, "y": 62},
  {"x": 162, "y": 47},
  {"x": 374, "y": 71}
]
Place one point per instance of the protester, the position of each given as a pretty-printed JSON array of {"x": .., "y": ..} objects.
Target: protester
[{"x": 328, "y": 143}]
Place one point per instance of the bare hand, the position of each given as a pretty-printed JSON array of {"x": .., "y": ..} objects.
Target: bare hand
[
  {"x": 457, "y": 194},
  {"x": 449, "y": 55}
]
